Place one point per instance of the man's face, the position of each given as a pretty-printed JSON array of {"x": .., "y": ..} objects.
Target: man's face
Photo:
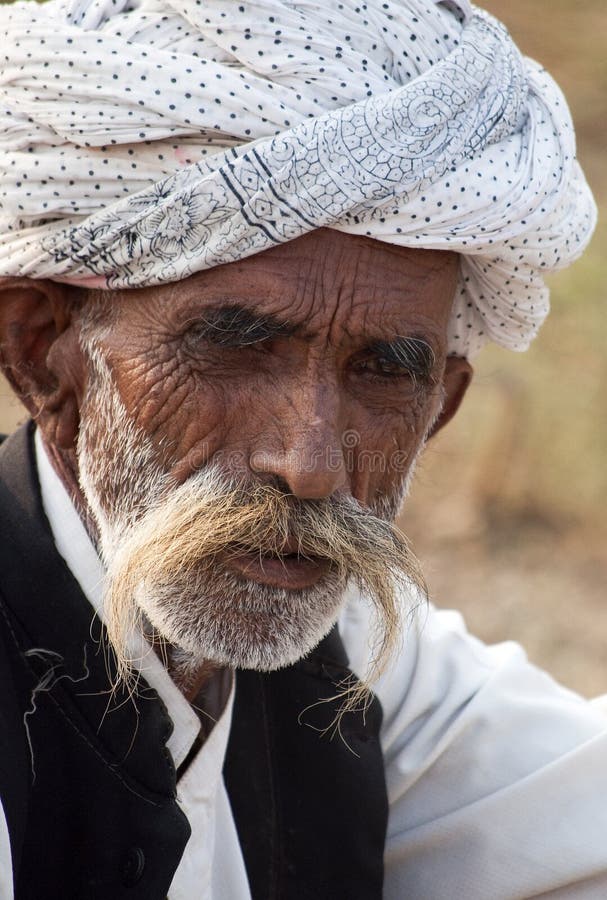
[
  {"x": 290, "y": 363},
  {"x": 315, "y": 369}
]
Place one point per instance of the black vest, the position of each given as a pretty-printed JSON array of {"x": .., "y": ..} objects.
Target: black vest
[{"x": 88, "y": 786}]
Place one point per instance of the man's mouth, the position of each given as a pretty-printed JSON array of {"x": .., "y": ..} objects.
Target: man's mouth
[{"x": 288, "y": 569}]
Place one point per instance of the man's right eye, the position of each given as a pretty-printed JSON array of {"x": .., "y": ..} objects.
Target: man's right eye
[{"x": 203, "y": 335}]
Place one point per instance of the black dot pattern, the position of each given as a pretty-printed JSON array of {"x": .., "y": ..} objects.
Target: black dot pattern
[{"x": 144, "y": 140}]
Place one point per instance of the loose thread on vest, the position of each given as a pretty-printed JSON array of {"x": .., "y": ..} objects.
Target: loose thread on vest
[{"x": 45, "y": 685}]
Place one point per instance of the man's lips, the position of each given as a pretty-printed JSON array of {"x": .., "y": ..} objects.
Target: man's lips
[{"x": 286, "y": 570}]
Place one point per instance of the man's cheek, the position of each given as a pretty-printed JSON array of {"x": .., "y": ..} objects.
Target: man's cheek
[
  {"x": 383, "y": 453},
  {"x": 223, "y": 420},
  {"x": 184, "y": 416},
  {"x": 200, "y": 427}
]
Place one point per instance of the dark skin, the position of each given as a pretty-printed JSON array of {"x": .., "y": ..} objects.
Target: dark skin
[{"x": 270, "y": 364}]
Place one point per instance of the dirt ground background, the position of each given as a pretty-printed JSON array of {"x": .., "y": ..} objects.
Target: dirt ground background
[{"x": 509, "y": 512}]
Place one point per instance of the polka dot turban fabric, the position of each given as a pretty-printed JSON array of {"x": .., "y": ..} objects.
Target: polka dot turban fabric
[{"x": 144, "y": 140}]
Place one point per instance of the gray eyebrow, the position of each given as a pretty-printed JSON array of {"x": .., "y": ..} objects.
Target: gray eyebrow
[
  {"x": 233, "y": 325},
  {"x": 414, "y": 353}
]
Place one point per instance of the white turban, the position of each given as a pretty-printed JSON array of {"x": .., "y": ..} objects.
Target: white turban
[{"x": 145, "y": 140}]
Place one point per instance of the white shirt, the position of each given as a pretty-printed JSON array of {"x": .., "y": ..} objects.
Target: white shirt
[{"x": 497, "y": 776}]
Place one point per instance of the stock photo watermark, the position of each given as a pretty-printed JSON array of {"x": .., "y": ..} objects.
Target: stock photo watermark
[{"x": 348, "y": 456}]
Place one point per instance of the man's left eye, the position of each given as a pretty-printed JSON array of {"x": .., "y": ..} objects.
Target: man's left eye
[{"x": 383, "y": 367}]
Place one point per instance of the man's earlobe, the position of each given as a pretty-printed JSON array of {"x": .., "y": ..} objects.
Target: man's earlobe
[
  {"x": 457, "y": 376},
  {"x": 40, "y": 355}
]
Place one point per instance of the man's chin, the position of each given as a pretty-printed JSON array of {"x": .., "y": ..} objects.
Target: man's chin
[{"x": 249, "y": 625}]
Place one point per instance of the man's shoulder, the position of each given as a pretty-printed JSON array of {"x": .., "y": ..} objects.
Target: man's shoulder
[
  {"x": 18, "y": 472},
  {"x": 16, "y": 692},
  {"x": 19, "y": 493}
]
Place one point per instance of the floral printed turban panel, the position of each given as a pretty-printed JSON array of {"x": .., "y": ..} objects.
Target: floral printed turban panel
[{"x": 144, "y": 140}]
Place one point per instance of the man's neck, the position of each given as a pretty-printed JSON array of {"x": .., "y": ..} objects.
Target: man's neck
[{"x": 191, "y": 680}]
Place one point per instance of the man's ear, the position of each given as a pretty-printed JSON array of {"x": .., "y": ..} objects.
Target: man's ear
[
  {"x": 40, "y": 354},
  {"x": 457, "y": 376}
]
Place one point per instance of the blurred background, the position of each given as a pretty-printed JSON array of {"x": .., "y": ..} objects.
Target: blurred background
[{"x": 509, "y": 510}]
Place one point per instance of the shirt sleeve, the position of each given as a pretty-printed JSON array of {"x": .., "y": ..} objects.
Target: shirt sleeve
[
  {"x": 496, "y": 775},
  {"x": 6, "y": 867}
]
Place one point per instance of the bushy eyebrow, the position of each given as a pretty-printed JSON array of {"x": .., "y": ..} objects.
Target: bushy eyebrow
[
  {"x": 236, "y": 326},
  {"x": 412, "y": 353}
]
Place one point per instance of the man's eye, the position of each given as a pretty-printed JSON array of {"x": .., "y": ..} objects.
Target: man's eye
[
  {"x": 200, "y": 335},
  {"x": 383, "y": 367}
]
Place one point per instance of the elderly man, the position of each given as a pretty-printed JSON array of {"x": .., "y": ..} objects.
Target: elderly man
[{"x": 247, "y": 253}]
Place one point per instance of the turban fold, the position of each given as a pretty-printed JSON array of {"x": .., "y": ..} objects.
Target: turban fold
[{"x": 144, "y": 140}]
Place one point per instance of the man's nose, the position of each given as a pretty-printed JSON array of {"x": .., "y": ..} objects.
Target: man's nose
[{"x": 310, "y": 460}]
